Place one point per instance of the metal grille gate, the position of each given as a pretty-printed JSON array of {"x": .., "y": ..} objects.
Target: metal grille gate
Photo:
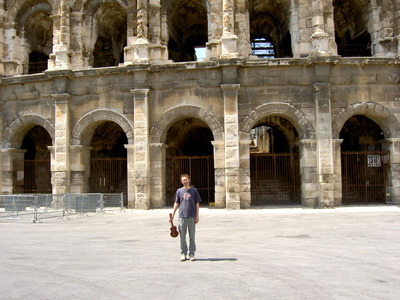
[
  {"x": 364, "y": 177},
  {"x": 201, "y": 171},
  {"x": 32, "y": 176},
  {"x": 275, "y": 179},
  {"x": 108, "y": 175}
]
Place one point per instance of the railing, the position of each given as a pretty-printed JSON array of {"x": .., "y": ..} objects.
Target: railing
[
  {"x": 364, "y": 177},
  {"x": 275, "y": 179},
  {"x": 201, "y": 170},
  {"x": 41, "y": 206}
]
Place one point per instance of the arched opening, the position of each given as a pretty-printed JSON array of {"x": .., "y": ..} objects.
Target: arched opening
[
  {"x": 364, "y": 165},
  {"x": 108, "y": 163},
  {"x": 36, "y": 175},
  {"x": 111, "y": 36},
  {"x": 190, "y": 152},
  {"x": 187, "y": 29},
  {"x": 351, "y": 27},
  {"x": 36, "y": 27},
  {"x": 270, "y": 28},
  {"x": 274, "y": 163}
]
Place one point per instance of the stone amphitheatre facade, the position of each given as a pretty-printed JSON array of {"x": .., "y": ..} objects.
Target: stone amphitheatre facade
[{"x": 263, "y": 102}]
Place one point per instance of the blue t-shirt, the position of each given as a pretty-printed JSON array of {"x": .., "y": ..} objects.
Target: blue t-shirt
[{"x": 187, "y": 200}]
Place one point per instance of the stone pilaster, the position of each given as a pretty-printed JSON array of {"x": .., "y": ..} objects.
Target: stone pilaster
[
  {"x": 137, "y": 50},
  {"x": 308, "y": 172},
  {"x": 397, "y": 25},
  {"x": 319, "y": 38},
  {"x": 12, "y": 164},
  {"x": 157, "y": 52},
  {"x": 60, "y": 59},
  {"x": 2, "y": 37},
  {"x": 130, "y": 149},
  {"x": 229, "y": 40},
  {"x": 77, "y": 53},
  {"x": 245, "y": 184},
  {"x": 323, "y": 131},
  {"x": 80, "y": 168},
  {"x": 393, "y": 146},
  {"x": 60, "y": 160},
  {"x": 232, "y": 155},
  {"x": 213, "y": 46},
  {"x": 300, "y": 15},
  {"x": 141, "y": 143},
  {"x": 219, "y": 173},
  {"x": 158, "y": 171},
  {"x": 337, "y": 175}
]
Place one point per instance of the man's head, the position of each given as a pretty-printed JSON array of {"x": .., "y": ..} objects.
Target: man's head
[{"x": 185, "y": 179}]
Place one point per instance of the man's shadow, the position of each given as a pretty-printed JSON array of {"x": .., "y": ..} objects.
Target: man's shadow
[{"x": 216, "y": 259}]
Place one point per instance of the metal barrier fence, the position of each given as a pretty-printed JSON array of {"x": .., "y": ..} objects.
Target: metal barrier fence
[{"x": 41, "y": 206}]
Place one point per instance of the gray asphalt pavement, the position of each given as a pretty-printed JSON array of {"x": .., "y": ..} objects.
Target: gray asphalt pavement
[{"x": 343, "y": 253}]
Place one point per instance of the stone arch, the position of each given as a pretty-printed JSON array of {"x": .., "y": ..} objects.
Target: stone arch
[
  {"x": 159, "y": 131},
  {"x": 16, "y": 131},
  {"x": 43, "y": 6},
  {"x": 22, "y": 9},
  {"x": 378, "y": 113},
  {"x": 87, "y": 124},
  {"x": 299, "y": 119},
  {"x": 91, "y": 5}
]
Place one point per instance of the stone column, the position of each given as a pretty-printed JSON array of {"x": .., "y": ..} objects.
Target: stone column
[
  {"x": 337, "y": 175},
  {"x": 232, "y": 155},
  {"x": 60, "y": 163},
  {"x": 323, "y": 129},
  {"x": 157, "y": 174},
  {"x": 229, "y": 40},
  {"x": 80, "y": 168},
  {"x": 2, "y": 37},
  {"x": 320, "y": 39},
  {"x": 138, "y": 47},
  {"x": 12, "y": 163},
  {"x": 141, "y": 143},
  {"x": 61, "y": 57},
  {"x": 219, "y": 173},
  {"x": 308, "y": 172},
  {"x": 393, "y": 146},
  {"x": 131, "y": 174}
]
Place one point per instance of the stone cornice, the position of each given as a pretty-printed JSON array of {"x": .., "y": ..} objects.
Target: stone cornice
[{"x": 212, "y": 64}]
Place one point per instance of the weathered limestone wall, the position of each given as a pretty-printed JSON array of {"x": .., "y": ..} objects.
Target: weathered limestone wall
[{"x": 316, "y": 96}]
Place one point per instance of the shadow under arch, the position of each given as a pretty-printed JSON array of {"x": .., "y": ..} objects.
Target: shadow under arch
[
  {"x": 299, "y": 119},
  {"x": 378, "y": 113},
  {"x": 15, "y": 132},
  {"x": 159, "y": 131},
  {"x": 86, "y": 125}
]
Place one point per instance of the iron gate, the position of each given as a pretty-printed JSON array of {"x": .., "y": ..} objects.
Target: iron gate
[
  {"x": 275, "y": 179},
  {"x": 108, "y": 175},
  {"x": 32, "y": 176},
  {"x": 364, "y": 177},
  {"x": 201, "y": 171}
]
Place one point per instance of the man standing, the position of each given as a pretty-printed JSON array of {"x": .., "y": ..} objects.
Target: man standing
[{"x": 188, "y": 200}]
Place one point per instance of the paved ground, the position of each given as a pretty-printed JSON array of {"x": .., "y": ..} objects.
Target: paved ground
[{"x": 343, "y": 253}]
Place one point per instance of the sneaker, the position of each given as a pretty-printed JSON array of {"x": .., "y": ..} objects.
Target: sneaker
[
  {"x": 192, "y": 258},
  {"x": 183, "y": 257}
]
